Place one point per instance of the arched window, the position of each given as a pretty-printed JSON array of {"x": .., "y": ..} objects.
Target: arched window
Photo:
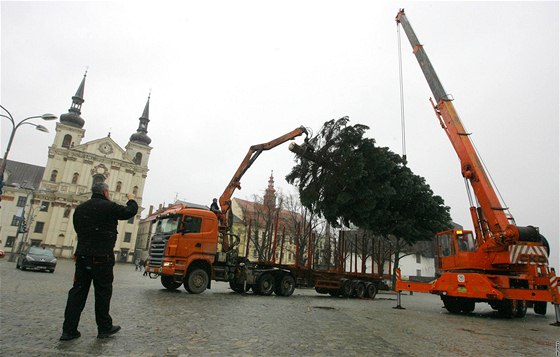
[
  {"x": 119, "y": 186},
  {"x": 135, "y": 190},
  {"x": 75, "y": 178},
  {"x": 54, "y": 173},
  {"x": 67, "y": 211},
  {"x": 138, "y": 158},
  {"x": 98, "y": 178},
  {"x": 67, "y": 141}
]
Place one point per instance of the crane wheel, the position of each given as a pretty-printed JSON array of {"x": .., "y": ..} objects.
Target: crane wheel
[
  {"x": 507, "y": 309},
  {"x": 467, "y": 306},
  {"x": 451, "y": 304},
  {"x": 540, "y": 307},
  {"x": 521, "y": 308}
]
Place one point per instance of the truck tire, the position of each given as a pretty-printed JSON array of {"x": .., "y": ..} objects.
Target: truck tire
[
  {"x": 539, "y": 307},
  {"x": 285, "y": 286},
  {"x": 360, "y": 290},
  {"x": 239, "y": 287},
  {"x": 371, "y": 290},
  {"x": 168, "y": 282},
  {"x": 346, "y": 289},
  {"x": 197, "y": 281},
  {"x": 265, "y": 285}
]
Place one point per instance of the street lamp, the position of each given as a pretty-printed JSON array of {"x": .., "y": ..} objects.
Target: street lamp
[{"x": 15, "y": 127}]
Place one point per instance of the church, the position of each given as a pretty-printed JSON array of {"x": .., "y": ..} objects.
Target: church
[{"x": 73, "y": 166}]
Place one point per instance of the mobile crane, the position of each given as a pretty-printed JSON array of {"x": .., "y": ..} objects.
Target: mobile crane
[
  {"x": 184, "y": 250},
  {"x": 503, "y": 264}
]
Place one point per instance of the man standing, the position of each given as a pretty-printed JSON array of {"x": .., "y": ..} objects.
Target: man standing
[{"x": 95, "y": 222}]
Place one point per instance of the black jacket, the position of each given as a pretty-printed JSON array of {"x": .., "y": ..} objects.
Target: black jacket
[{"x": 96, "y": 221}]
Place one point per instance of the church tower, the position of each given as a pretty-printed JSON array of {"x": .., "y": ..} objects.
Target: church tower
[
  {"x": 138, "y": 148},
  {"x": 269, "y": 199},
  {"x": 69, "y": 131}
]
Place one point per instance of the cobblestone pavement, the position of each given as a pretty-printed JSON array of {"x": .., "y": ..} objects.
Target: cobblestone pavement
[{"x": 157, "y": 322}]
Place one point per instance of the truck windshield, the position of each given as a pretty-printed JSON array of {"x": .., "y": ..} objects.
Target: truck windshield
[{"x": 167, "y": 225}]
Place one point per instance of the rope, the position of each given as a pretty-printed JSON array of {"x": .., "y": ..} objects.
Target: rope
[
  {"x": 403, "y": 128},
  {"x": 493, "y": 183}
]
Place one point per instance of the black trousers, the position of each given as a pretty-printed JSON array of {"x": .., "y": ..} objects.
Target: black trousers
[{"x": 88, "y": 269}]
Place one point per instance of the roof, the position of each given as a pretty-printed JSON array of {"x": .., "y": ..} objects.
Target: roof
[
  {"x": 252, "y": 208},
  {"x": 22, "y": 174}
]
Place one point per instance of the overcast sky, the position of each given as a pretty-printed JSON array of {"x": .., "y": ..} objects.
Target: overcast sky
[{"x": 225, "y": 75}]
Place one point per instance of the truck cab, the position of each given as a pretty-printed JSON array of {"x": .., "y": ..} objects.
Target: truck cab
[{"x": 185, "y": 240}]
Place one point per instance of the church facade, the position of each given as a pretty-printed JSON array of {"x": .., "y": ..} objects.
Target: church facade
[{"x": 73, "y": 166}]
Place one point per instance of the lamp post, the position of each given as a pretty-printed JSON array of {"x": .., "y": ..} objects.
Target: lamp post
[{"x": 15, "y": 127}]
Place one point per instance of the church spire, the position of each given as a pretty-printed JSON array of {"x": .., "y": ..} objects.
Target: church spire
[
  {"x": 270, "y": 193},
  {"x": 140, "y": 135},
  {"x": 73, "y": 117}
]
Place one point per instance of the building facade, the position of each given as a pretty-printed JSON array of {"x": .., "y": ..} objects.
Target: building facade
[{"x": 73, "y": 166}]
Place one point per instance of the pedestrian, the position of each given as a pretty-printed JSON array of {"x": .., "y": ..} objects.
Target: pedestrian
[
  {"x": 95, "y": 222},
  {"x": 145, "y": 265},
  {"x": 137, "y": 265}
]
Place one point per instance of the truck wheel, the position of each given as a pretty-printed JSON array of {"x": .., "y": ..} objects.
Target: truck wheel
[
  {"x": 168, "y": 282},
  {"x": 360, "y": 290},
  {"x": 346, "y": 289},
  {"x": 239, "y": 287},
  {"x": 539, "y": 307},
  {"x": 521, "y": 309},
  {"x": 371, "y": 291},
  {"x": 265, "y": 285},
  {"x": 197, "y": 281},
  {"x": 285, "y": 286}
]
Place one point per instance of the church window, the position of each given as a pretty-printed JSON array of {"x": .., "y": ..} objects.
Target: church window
[
  {"x": 75, "y": 178},
  {"x": 67, "y": 141},
  {"x": 138, "y": 158},
  {"x": 135, "y": 190},
  {"x": 119, "y": 186},
  {"x": 54, "y": 173}
]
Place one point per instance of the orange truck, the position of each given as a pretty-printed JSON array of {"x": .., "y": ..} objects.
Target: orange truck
[
  {"x": 502, "y": 264},
  {"x": 192, "y": 247}
]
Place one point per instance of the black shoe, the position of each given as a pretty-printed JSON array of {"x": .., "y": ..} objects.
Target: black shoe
[
  {"x": 67, "y": 336},
  {"x": 108, "y": 333}
]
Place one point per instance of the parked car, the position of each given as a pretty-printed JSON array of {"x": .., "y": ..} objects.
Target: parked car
[{"x": 36, "y": 258}]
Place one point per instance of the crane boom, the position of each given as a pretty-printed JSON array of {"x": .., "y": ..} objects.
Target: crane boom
[
  {"x": 491, "y": 219},
  {"x": 248, "y": 160}
]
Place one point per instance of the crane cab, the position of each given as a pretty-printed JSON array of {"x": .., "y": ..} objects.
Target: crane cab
[{"x": 455, "y": 249}]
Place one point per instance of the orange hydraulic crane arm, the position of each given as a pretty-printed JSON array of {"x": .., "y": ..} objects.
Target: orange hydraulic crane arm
[
  {"x": 493, "y": 216},
  {"x": 252, "y": 155}
]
